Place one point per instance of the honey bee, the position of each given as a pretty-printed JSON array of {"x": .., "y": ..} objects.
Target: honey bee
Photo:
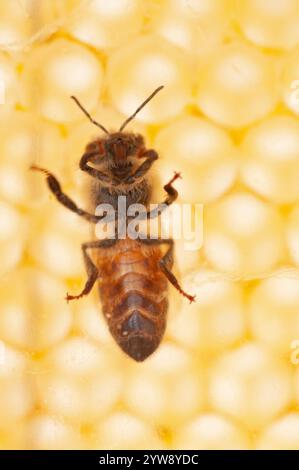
[{"x": 132, "y": 273}]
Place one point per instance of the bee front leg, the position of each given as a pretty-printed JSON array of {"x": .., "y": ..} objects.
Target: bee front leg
[{"x": 150, "y": 157}]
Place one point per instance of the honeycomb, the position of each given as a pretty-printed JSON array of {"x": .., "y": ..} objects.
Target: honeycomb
[{"x": 226, "y": 375}]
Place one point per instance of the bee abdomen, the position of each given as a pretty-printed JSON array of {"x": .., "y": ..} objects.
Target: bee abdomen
[
  {"x": 138, "y": 300},
  {"x": 137, "y": 323},
  {"x": 135, "y": 305}
]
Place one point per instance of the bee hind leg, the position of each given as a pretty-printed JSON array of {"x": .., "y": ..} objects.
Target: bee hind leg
[
  {"x": 91, "y": 268},
  {"x": 166, "y": 263}
]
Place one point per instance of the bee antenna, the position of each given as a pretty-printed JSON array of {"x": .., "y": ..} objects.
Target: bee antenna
[
  {"x": 139, "y": 108},
  {"x": 88, "y": 115}
]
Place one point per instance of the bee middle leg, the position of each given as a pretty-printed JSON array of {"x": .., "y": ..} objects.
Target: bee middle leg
[
  {"x": 166, "y": 263},
  {"x": 61, "y": 197},
  {"x": 172, "y": 195},
  {"x": 92, "y": 270}
]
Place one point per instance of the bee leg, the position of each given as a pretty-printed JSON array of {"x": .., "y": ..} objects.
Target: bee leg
[
  {"x": 93, "y": 157},
  {"x": 61, "y": 197},
  {"x": 172, "y": 196},
  {"x": 92, "y": 270},
  {"x": 166, "y": 263},
  {"x": 150, "y": 157}
]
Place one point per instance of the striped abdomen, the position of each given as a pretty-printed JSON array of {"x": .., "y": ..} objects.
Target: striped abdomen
[{"x": 133, "y": 291}]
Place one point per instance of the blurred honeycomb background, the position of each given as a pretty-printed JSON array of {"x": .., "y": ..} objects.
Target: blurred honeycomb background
[{"x": 227, "y": 373}]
